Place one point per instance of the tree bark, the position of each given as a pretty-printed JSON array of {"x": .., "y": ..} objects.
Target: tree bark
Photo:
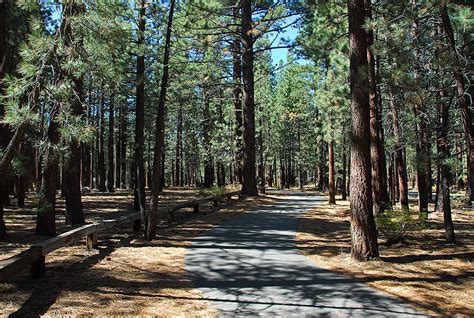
[
  {"x": 237, "y": 98},
  {"x": 139, "y": 192},
  {"x": 444, "y": 201},
  {"x": 101, "y": 157},
  {"x": 379, "y": 188},
  {"x": 332, "y": 184},
  {"x": 72, "y": 170},
  {"x": 344, "y": 172},
  {"x": 422, "y": 153},
  {"x": 464, "y": 102},
  {"x": 400, "y": 161},
  {"x": 3, "y": 129},
  {"x": 261, "y": 162},
  {"x": 160, "y": 132},
  {"x": 123, "y": 147},
  {"x": 249, "y": 182},
  {"x": 110, "y": 146},
  {"x": 179, "y": 147},
  {"x": 46, "y": 213},
  {"x": 364, "y": 235},
  {"x": 118, "y": 149}
]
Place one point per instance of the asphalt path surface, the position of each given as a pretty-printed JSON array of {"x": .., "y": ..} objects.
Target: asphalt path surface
[{"x": 250, "y": 266}]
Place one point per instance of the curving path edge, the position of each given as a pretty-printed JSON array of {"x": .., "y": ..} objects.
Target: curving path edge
[{"x": 250, "y": 266}]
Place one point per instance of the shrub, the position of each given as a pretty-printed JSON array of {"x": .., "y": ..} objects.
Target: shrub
[{"x": 394, "y": 225}]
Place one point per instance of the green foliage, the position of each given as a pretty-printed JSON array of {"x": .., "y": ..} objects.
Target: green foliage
[{"x": 395, "y": 225}]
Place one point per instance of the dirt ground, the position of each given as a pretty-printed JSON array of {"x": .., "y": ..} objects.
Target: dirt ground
[
  {"x": 125, "y": 275},
  {"x": 433, "y": 276}
]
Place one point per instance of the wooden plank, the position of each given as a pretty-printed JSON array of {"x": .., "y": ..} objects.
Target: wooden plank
[
  {"x": 124, "y": 219},
  {"x": 34, "y": 256},
  {"x": 193, "y": 203},
  {"x": 91, "y": 241},
  {"x": 15, "y": 264},
  {"x": 66, "y": 238}
]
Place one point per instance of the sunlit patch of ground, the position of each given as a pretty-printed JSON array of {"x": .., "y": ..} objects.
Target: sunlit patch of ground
[
  {"x": 435, "y": 277},
  {"x": 125, "y": 276}
]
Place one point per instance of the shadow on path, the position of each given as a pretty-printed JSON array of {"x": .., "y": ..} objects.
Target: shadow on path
[{"x": 251, "y": 266}]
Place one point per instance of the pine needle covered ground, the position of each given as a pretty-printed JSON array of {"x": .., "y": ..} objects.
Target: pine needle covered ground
[
  {"x": 125, "y": 276},
  {"x": 425, "y": 271}
]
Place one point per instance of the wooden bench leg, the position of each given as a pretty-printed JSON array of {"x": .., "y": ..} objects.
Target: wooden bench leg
[
  {"x": 196, "y": 208},
  {"x": 91, "y": 241},
  {"x": 38, "y": 267}
]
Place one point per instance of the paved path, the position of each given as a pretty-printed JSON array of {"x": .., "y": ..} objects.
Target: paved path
[{"x": 250, "y": 266}]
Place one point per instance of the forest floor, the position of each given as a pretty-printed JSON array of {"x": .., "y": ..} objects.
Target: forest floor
[
  {"x": 20, "y": 221},
  {"x": 125, "y": 275},
  {"x": 435, "y": 277}
]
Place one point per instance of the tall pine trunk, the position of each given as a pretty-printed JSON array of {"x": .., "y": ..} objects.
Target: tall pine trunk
[
  {"x": 332, "y": 184},
  {"x": 123, "y": 147},
  {"x": 379, "y": 188},
  {"x": 249, "y": 182},
  {"x": 466, "y": 105},
  {"x": 101, "y": 157},
  {"x": 400, "y": 161},
  {"x": 72, "y": 170},
  {"x": 118, "y": 149},
  {"x": 3, "y": 128},
  {"x": 179, "y": 147},
  {"x": 110, "y": 145},
  {"x": 46, "y": 213},
  {"x": 158, "y": 161},
  {"x": 208, "y": 157},
  {"x": 237, "y": 97},
  {"x": 444, "y": 200},
  {"x": 363, "y": 231},
  {"x": 422, "y": 153},
  {"x": 139, "y": 192}
]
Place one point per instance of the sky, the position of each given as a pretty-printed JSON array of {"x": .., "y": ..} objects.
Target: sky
[
  {"x": 281, "y": 54},
  {"x": 277, "y": 54}
]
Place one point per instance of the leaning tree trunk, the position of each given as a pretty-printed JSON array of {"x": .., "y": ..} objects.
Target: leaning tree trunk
[
  {"x": 364, "y": 235},
  {"x": 464, "y": 102},
  {"x": 249, "y": 181},
  {"x": 158, "y": 161}
]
